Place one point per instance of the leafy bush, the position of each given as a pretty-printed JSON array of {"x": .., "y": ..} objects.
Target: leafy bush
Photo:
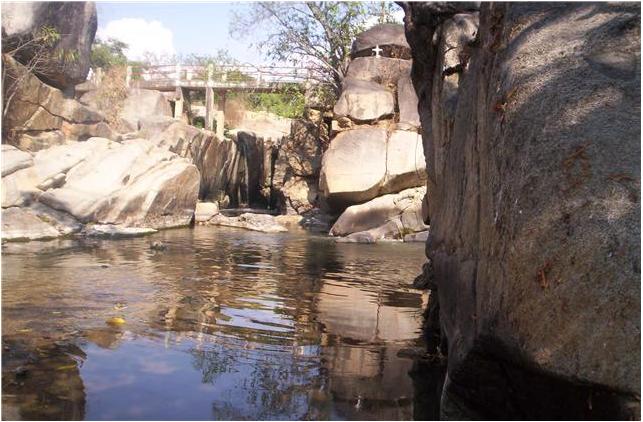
[{"x": 106, "y": 54}]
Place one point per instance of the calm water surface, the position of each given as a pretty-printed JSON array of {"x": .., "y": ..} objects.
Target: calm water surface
[{"x": 223, "y": 324}]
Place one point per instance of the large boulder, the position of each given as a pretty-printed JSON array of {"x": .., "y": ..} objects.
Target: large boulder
[
  {"x": 383, "y": 70},
  {"x": 364, "y": 163},
  {"x": 384, "y": 34},
  {"x": 364, "y": 100},
  {"x": 134, "y": 184},
  {"x": 37, "y": 222},
  {"x": 74, "y": 21},
  {"x": 405, "y": 165},
  {"x": 354, "y": 166},
  {"x": 534, "y": 202},
  {"x": 142, "y": 103},
  {"x": 400, "y": 213},
  {"x": 48, "y": 169}
]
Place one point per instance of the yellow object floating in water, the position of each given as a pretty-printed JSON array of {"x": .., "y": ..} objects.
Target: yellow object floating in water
[{"x": 115, "y": 321}]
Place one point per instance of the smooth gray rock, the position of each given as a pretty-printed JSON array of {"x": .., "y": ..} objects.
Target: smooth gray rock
[
  {"x": 256, "y": 222},
  {"x": 364, "y": 163},
  {"x": 354, "y": 166},
  {"x": 401, "y": 209},
  {"x": 142, "y": 103},
  {"x": 364, "y": 100},
  {"x": 13, "y": 159},
  {"x": 133, "y": 184}
]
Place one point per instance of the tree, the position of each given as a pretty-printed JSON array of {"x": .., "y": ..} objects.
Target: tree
[
  {"x": 317, "y": 35},
  {"x": 106, "y": 54}
]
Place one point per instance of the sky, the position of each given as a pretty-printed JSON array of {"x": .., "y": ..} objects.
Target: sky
[{"x": 176, "y": 28}]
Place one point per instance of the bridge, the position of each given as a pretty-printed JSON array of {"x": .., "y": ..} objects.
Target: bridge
[{"x": 219, "y": 79}]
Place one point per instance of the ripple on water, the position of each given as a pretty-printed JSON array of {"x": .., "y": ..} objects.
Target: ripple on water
[{"x": 223, "y": 324}]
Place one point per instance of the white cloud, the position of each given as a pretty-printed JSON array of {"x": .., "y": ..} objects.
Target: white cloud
[{"x": 140, "y": 35}]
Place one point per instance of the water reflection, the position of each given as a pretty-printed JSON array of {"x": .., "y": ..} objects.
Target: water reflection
[{"x": 222, "y": 324}]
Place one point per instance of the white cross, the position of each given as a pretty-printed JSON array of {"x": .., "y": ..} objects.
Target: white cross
[{"x": 377, "y": 50}]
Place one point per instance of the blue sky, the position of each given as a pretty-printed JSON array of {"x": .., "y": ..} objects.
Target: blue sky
[{"x": 182, "y": 28}]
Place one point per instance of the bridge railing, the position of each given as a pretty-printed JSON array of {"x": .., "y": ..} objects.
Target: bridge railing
[{"x": 219, "y": 75}]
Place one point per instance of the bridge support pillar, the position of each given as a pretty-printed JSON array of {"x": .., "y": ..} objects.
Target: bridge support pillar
[
  {"x": 220, "y": 116},
  {"x": 178, "y": 104},
  {"x": 213, "y": 114}
]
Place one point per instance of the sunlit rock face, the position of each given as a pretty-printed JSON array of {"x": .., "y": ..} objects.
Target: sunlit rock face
[
  {"x": 133, "y": 184},
  {"x": 532, "y": 142},
  {"x": 377, "y": 148}
]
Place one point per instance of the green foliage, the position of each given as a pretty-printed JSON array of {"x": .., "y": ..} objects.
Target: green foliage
[
  {"x": 289, "y": 103},
  {"x": 106, "y": 54},
  {"x": 48, "y": 35},
  {"x": 317, "y": 35}
]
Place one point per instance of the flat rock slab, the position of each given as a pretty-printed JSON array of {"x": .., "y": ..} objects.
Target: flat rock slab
[
  {"x": 13, "y": 159},
  {"x": 257, "y": 222},
  {"x": 113, "y": 230}
]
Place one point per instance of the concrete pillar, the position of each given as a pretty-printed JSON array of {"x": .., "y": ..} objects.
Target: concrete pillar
[
  {"x": 220, "y": 116},
  {"x": 178, "y": 104},
  {"x": 209, "y": 107}
]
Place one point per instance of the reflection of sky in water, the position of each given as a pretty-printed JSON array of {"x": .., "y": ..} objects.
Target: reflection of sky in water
[{"x": 224, "y": 324}]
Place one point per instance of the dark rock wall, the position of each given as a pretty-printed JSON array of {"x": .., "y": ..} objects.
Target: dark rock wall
[
  {"x": 531, "y": 130},
  {"x": 76, "y": 22}
]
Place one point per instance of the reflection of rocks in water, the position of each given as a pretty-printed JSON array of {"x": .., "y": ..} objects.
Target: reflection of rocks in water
[
  {"x": 105, "y": 338},
  {"x": 367, "y": 315},
  {"x": 42, "y": 382},
  {"x": 428, "y": 378},
  {"x": 369, "y": 382},
  {"x": 256, "y": 326}
]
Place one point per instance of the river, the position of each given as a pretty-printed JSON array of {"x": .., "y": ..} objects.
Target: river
[{"x": 221, "y": 324}]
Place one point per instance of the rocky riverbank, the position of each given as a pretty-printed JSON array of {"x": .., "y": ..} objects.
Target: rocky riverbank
[{"x": 69, "y": 169}]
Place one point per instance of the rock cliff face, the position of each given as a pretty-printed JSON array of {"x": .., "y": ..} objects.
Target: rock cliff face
[
  {"x": 531, "y": 131},
  {"x": 377, "y": 149}
]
